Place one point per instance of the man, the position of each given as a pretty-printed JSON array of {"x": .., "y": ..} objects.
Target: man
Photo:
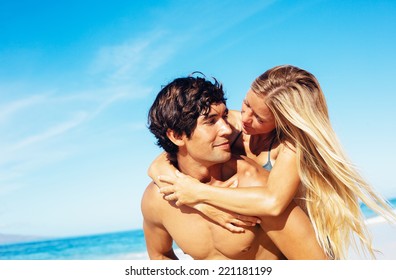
[{"x": 189, "y": 120}]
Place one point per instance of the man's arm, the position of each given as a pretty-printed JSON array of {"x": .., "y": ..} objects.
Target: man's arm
[{"x": 158, "y": 240}]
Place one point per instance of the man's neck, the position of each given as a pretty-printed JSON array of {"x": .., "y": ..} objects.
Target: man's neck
[{"x": 203, "y": 173}]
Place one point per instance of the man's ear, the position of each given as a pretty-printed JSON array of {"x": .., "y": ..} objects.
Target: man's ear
[{"x": 175, "y": 138}]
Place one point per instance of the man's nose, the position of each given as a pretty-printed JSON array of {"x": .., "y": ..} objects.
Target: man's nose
[{"x": 225, "y": 128}]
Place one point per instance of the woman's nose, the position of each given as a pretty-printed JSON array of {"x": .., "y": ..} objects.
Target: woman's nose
[{"x": 246, "y": 115}]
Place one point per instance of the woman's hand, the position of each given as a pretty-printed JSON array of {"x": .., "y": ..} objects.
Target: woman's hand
[
  {"x": 184, "y": 189},
  {"x": 229, "y": 220},
  {"x": 230, "y": 183},
  {"x": 160, "y": 165}
]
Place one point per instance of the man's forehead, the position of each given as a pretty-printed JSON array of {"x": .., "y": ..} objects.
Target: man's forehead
[{"x": 217, "y": 108}]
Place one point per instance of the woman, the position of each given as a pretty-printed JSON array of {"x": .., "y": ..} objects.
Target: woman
[{"x": 286, "y": 128}]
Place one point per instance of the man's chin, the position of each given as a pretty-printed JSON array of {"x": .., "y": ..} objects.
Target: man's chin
[
  {"x": 227, "y": 157},
  {"x": 223, "y": 158}
]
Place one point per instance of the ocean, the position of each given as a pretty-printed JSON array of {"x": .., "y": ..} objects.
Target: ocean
[
  {"x": 128, "y": 245},
  {"x": 116, "y": 245}
]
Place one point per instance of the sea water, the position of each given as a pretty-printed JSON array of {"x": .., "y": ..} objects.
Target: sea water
[{"x": 118, "y": 245}]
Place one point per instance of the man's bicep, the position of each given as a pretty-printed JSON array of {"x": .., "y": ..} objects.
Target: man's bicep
[{"x": 158, "y": 241}]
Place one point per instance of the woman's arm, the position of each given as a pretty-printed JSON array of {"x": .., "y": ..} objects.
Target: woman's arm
[
  {"x": 160, "y": 165},
  {"x": 290, "y": 229},
  {"x": 232, "y": 221},
  {"x": 293, "y": 233},
  {"x": 282, "y": 185}
]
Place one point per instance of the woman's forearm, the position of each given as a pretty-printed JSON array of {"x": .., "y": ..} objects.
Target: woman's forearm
[
  {"x": 252, "y": 201},
  {"x": 160, "y": 165}
]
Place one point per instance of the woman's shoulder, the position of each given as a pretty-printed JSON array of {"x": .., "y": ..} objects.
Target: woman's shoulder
[
  {"x": 284, "y": 156},
  {"x": 282, "y": 147},
  {"x": 286, "y": 146}
]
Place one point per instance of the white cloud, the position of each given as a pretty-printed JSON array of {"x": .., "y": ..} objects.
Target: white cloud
[
  {"x": 50, "y": 133},
  {"x": 8, "y": 188},
  {"x": 23, "y": 154},
  {"x": 134, "y": 59},
  {"x": 9, "y": 109},
  {"x": 120, "y": 70},
  {"x": 137, "y": 126},
  {"x": 121, "y": 59}
]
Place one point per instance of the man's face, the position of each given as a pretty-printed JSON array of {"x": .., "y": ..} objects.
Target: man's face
[{"x": 209, "y": 143}]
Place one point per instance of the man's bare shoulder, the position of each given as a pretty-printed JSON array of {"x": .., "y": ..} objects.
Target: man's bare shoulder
[
  {"x": 151, "y": 191},
  {"x": 152, "y": 202}
]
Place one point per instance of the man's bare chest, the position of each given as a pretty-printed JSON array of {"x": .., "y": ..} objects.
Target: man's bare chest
[{"x": 203, "y": 239}]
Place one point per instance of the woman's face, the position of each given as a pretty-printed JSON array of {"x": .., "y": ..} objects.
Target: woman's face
[{"x": 257, "y": 118}]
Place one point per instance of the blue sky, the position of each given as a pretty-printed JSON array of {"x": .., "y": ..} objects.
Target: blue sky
[{"x": 78, "y": 77}]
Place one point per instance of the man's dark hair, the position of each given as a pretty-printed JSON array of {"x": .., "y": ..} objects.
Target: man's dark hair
[{"x": 178, "y": 106}]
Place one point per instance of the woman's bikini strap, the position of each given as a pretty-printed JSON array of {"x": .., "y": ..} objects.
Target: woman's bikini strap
[
  {"x": 268, "y": 164},
  {"x": 269, "y": 149}
]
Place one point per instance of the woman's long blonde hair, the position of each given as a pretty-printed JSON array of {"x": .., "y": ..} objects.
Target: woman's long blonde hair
[{"x": 331, "y": 184}]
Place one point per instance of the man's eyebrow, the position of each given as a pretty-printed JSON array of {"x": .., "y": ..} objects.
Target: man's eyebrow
[
  {"x": 211, "y": 116},
  {"x": 215, "y": 114}
]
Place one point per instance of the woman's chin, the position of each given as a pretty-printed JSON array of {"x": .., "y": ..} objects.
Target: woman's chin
[{"x": 248, "y": 131}]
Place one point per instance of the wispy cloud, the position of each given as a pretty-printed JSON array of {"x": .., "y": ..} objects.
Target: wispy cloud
[
  {"x": 49, "y": 133},
  {"x": 120, "y": 60},
  {"x": 8, "y": 188},
  {"x": 137, "y": 126},
  {"x": 133, "y": 59},
  {"x": 9, "y": 109},
  {"x": 23, "y": 154},
  {"x": 121, "y": 71}
]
